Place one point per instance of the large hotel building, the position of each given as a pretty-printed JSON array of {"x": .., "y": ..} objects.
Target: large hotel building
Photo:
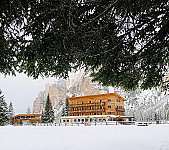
[{"x": 103, "y": 104}]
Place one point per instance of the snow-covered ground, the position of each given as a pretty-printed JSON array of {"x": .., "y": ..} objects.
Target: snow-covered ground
[{"x": 112, "y": 137}]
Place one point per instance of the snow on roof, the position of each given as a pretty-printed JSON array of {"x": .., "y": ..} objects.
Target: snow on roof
[
  {"x": 25, "y": 115},
  {"x": 115, "y": 94}
]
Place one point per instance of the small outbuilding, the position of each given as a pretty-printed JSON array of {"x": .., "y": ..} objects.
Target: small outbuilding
[{"x": 26, "y": 119}]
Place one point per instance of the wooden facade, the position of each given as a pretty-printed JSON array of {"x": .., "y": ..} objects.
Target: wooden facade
[
  {"x": 103, "y": 104},
  {"x": 26, "y": 119}
]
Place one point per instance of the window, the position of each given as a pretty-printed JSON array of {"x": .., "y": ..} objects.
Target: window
[
  {"x": 77, "y": 102},
  {"x": 109, "y": 100},
  {"x": 95, "y": 107},
  {"x": 74, "y": 120},
  {"x": 78, "y": 120},
  {"x": 101, "y": 113},
  {"x": 82, "y": 102},
  {"x": 101, "y": 107},
  {"x": 90, "y": 101},
  {"x": 109, "y": 106},
  {"x": 82, "y": 120},
  {"x": 109, "y": 113},
  {"x": 95, "y": 101},
  {"x": 63, "y": 120},
  {"x": 82, "y": 108},
  {"x": 67, "y": 120},
  {"x": 90, "y": 107},
  {"x": 101, "y": 101},
  {"x": 94, "y": 113}
]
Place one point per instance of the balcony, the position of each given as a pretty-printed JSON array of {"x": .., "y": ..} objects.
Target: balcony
[
  {"x": 120, "y": 109},
  {"x": 87, "y": 111},
  {"x": 86, "y": 105}
]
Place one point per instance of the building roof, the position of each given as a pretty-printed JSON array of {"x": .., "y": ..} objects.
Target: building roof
[
  {"x": 100, "y": 95},
  {"x": 19, "y": 115}
]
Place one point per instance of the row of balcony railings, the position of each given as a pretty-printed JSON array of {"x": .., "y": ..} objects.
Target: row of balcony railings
[
  {"x": 120, "y": 109},
  {"x": 87, "y": 110},
  {"x": 87, "y": 104},
  {"x": 98, "y": 110}
]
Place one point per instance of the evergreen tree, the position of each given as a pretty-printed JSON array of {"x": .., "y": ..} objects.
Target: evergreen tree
[
  {"x": 42, "y": 118},
  {"x": 121, "y": 42},
  {"x": 11, "y": 111},
  {"x": 67, "y": 108},
  {"x": 63, "y": 112},
  {"x": 28, "y": 111},
  {"x": 3, "y": 111},
  {"x": 155, "y": 117},
  {"x": 48, "y": 115}
]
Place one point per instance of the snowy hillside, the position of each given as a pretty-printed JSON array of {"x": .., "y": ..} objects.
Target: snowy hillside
[{"x": 148, "y": 105}]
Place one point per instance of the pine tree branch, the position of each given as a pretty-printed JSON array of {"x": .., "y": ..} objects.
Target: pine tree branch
[{"x": 108, "y": 9}]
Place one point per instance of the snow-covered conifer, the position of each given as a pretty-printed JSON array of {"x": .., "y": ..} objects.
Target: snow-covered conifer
[
  {"x": 48, "y": 115},
  {"x": 65, "y": 110},
  {"x": 28, "y": 111},
  {"x": 11, "y": 111},
  {"x": 3, "y": 111}
]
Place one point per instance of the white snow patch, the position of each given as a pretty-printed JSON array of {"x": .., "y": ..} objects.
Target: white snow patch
[{"x": 153, "y": 137}]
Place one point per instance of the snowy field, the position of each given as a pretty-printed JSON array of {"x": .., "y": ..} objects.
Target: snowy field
[{"x": 121, "y": 137}]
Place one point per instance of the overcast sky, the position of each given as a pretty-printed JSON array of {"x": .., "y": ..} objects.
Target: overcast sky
[{"x": 22, "y": 90}]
